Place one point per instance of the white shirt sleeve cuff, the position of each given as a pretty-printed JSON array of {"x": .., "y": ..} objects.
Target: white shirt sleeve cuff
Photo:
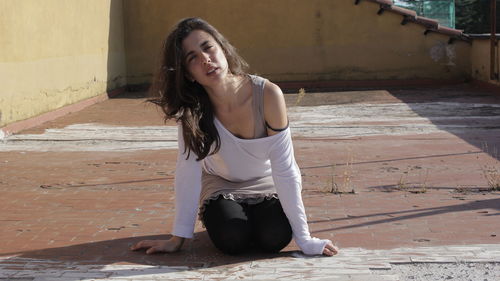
[
  {"x": 183, "y": 231},
  {"x": 313, "y": 246}
]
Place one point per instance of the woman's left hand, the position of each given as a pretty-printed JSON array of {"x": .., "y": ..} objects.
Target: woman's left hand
[{"x": 330, "y": 249}]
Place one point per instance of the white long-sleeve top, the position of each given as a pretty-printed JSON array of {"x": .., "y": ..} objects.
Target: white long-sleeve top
[{"x": 241, "y": 160}]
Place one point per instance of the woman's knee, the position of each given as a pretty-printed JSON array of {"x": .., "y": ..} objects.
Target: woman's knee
[
  {"x": 272, "y": 228},
  {"x": 274, "y": 237},
  {"x": 227, "y": 225},
  {"x": 231, "y": 237}
]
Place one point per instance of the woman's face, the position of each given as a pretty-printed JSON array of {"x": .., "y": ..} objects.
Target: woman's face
[{"x": 204, "y": 58}]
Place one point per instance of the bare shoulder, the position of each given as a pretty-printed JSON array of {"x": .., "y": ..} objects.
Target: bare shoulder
[{"x": 274, "y": 107}]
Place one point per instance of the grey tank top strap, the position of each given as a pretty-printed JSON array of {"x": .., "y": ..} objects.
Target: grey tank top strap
[{"x": 258, "y": 82}]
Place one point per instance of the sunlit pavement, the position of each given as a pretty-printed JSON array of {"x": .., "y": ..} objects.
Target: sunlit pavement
[{"x": 78, "y": 191}]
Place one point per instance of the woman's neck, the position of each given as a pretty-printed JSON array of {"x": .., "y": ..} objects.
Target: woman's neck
[{"x": 226, "y": 95}]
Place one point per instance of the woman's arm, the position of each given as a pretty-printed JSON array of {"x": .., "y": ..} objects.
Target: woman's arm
[
  {"x": 274, "y": 108},
  {"x": 187, "y": 190},
  {"x": 286, "y": 174},
  {"x": 187, "y": 193}
]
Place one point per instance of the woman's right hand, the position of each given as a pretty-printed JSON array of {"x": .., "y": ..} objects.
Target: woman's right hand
[
  {"x": 160, "y": 246},
  {"x": 330, "y": 249}
]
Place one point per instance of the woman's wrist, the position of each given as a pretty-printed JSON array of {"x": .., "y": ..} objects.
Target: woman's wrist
[{"x": 178, "y": 240}]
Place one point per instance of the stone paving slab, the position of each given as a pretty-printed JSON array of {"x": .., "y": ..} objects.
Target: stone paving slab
[
  {"x": 318, "y": 122},
  {"x": 350, "y": 264}
]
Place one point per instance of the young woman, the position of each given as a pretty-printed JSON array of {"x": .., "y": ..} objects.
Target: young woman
[{"x": 235, "y": 166}]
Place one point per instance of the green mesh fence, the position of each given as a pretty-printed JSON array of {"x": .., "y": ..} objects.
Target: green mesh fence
[{"x": 441, "y": 10}]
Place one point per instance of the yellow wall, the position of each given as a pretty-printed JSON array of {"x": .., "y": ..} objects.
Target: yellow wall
[
  {"x": 56, "y": 52},
  {"x": 480, "y": 57},
  {"x": 294, "y": 40}
]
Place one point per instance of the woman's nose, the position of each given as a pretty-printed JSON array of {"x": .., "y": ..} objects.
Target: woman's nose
[{"x": 206, "y": 58}]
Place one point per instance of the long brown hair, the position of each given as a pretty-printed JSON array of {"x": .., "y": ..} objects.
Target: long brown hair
[{"x": 185, "y": 100}]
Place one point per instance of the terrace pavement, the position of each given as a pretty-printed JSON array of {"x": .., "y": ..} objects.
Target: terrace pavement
[{"x": 422, "y": 162}]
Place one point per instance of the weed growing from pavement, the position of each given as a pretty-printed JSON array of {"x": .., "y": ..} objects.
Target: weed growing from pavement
[
  {"x": 419, "y": 187},
  {"x": 344, "y": 185},
  {"x": 461, "y": 189},
  {"x": 301, "y": 94},
  {"x": 492, "y": 176},
  {"x": 491, "y": 171},
  {"x": 402, "y": 185}
]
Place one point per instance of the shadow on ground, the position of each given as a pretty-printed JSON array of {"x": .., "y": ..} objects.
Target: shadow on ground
[
  {"x": 473, "y": 112},
  {"x": 196, "y": 253},
  {"x": 464, "y": 110},
  {"x": 493, "y": 204}
]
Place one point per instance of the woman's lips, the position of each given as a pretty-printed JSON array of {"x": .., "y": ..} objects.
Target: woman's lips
[{"x": 212, "y": 71}]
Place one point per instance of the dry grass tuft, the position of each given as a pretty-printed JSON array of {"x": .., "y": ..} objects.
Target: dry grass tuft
[
  {"x": 419, "y": 187},
  {"x": 342, "y": 184},
  {"x": 492, "y": 176},
  {"x": 491, "y": 171},
  {"x": 301, "y": 94}
]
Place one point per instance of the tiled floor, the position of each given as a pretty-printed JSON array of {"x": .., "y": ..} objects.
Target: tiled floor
[{"x": 75, "y": 198}]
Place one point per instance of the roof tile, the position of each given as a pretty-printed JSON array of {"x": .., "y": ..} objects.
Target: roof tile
[
  {"x": 431, "y": 25},
  {"x": 427, "y": 22},
  {"x": 402, "y": 11},
  {"x": 449, "y": 31}
]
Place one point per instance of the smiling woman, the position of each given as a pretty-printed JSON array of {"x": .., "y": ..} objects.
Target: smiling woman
[{"x": 235, "y": 166}]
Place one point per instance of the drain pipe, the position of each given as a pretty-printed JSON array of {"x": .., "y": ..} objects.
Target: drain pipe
[{"x": 493, "y": 40}]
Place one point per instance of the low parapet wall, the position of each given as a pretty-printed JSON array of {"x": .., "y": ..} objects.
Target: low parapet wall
[
  {"x": 481, "y": 59},
  {"x": 55, "y": 53}
]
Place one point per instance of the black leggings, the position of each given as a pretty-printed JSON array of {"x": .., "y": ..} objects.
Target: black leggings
[{"x": 234, "y": 227}]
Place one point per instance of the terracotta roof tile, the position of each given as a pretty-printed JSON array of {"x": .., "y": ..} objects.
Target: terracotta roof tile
[
  {"x": 427, "y": 22},
  {"x": 451, "y": 31},
  {"x": 402, "y": 11}
]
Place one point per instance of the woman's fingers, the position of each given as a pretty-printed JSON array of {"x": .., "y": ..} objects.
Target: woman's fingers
[
  {"x": 142, "y": 244},
  {"x": 155, "y": 246},
  {"x": 327, "y": 252},
  {"x": 151, "y": 246},
  {"x": 152, "y": 250},
  {"x": 330, "y": 250},
  {"x": 137, "y": 246},
  {"x": 334, "y": 249}
]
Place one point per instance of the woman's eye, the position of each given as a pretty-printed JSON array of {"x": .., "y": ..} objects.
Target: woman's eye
[{"x": 191, "y": 58}]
